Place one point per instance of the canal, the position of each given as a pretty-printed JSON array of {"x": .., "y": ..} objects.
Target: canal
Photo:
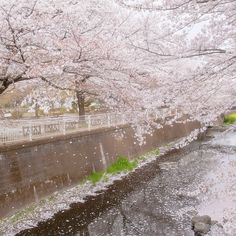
[{"x": 161, "y": 197}]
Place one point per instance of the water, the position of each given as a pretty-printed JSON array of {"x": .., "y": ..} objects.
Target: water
[
  {"x": 225, "y": 139},
  {"x": 159, "y": 198}
]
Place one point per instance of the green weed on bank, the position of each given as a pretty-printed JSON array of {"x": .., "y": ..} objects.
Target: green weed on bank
[
  {"x": 230, "y": 119},
  {"x": 122, "y": 164}
]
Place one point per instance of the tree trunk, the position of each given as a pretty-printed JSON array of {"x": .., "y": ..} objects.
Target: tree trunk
[
  {"x": 36, "y": 110},
  {"x": 81, "y": 101},
  {"x": 4, "y": 85}
]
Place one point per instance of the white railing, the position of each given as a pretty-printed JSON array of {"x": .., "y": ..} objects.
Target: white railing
[
  {"x": 48, "y": 128},
  {"x": 28, "y": 130}
]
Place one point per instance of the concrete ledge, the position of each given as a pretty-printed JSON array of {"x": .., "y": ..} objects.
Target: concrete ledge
[{"x": 44, "y": 140}]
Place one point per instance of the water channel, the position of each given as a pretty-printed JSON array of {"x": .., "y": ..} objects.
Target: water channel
[{"x": 161, "y": 197}]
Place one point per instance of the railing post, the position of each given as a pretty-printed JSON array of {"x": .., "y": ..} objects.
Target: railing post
[
  {"x": 30, "y": 132},
  {"x": 64, "y": 126},
  {"x": 147, "y": 115},
  {"x": 109, "y": 120},
  {"x": 89, "y": 122},
  {"x": 123, "y": 118}
]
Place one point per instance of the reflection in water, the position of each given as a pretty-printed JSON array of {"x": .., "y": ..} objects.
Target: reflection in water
[
  {"x": 228, "y": 139},
  {"x": 159, "y": 206},
  {"x": 84, "y": 231}
]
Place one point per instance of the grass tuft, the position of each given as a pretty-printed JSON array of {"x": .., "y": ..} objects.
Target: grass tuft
[
  {"x": 95, "y": 176},
  {"x": 122, "y": 164},
  {"x": 230, "y": 119}
]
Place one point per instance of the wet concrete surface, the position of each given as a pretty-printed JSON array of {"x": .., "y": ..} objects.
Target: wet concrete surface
[{"x": 160, "y": 198}]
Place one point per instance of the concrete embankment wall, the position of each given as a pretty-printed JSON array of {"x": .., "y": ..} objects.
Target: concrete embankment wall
[{"x": 31, "y": 172}]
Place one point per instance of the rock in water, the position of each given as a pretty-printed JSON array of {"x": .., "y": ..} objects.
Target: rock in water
[
  {"x": 201, "y": 224},
  {"x": 203, "y": 219},
  {"x": 201, "y": 228}
]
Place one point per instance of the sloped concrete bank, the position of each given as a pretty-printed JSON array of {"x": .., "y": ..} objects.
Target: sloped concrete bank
[{"x": 28, "y": 174}]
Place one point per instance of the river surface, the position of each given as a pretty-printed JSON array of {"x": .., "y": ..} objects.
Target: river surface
[{"x": 161, "y": 197}]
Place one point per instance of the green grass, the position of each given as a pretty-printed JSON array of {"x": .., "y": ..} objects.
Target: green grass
[
  {"x": 230, "y": 119},
  {"x": 95, "y": 176},
  {"x": 122, "y": 164}
]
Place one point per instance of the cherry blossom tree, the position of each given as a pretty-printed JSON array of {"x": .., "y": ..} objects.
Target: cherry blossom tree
[
  {"x": 192, "y": 45},
  {"x": 138, "y": 56},
  {"x": 69, "y": 46}
]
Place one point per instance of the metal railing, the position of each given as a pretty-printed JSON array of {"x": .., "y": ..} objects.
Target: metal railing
[
  {"x": 48, "y": 128},
  {"x": 29, "y": 130}
]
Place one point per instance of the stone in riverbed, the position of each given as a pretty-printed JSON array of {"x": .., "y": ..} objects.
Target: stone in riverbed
[
  {"x": 201, "y": 224},
  {"x": 203, "y": 219},
  {"x": 201, "y": 228}
]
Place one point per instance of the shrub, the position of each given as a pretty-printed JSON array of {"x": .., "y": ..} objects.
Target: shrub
[
  {"x": 230, "y": 119},
  {"x": 57, "y": 111},
  {"x": 16, "y": 114}
]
